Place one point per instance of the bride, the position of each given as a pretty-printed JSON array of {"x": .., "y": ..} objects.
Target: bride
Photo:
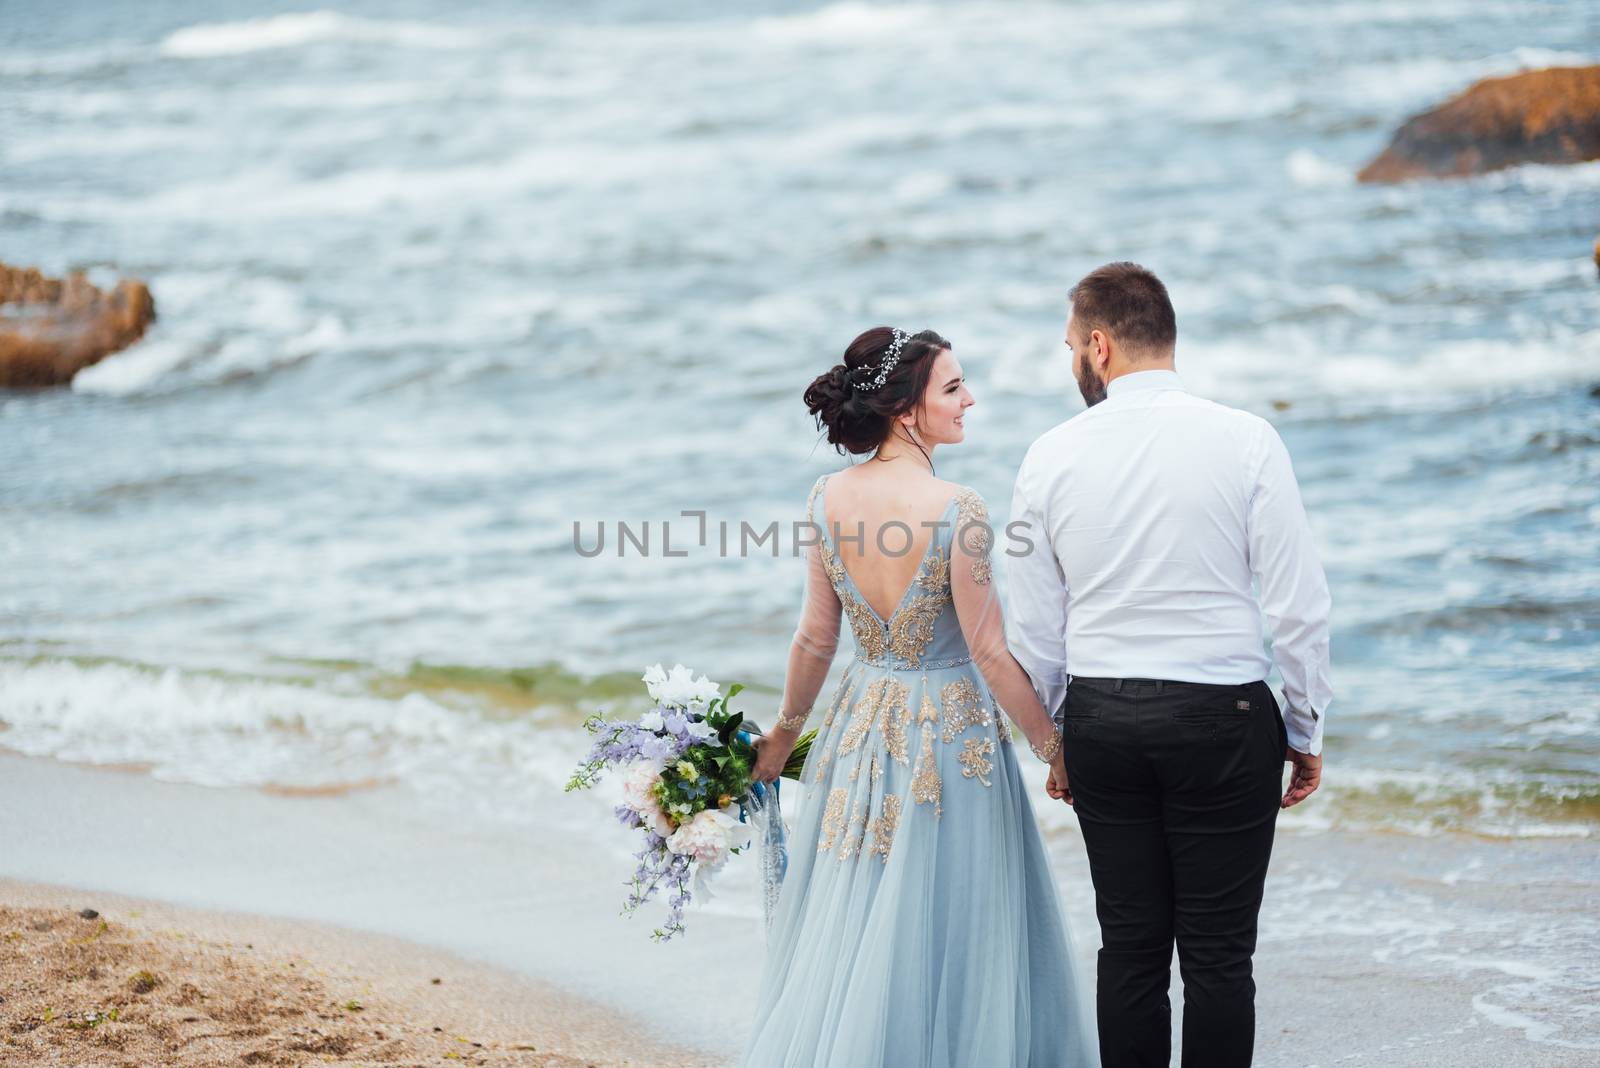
[{"x": 918, "y": 924}]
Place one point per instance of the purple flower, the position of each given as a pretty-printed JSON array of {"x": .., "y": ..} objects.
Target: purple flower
[{"x": 659, "y": 749}]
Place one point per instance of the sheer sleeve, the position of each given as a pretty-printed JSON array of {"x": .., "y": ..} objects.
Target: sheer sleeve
[
  {"x": 815, "y": 638},
  {"x": 983, "y": 626}
]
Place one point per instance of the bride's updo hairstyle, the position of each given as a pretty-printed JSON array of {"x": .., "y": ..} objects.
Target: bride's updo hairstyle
[{"x": 857, "y": 412}]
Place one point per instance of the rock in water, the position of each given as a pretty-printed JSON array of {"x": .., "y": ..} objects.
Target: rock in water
[
  {"x": 51, "y": 328},
  {"x": 1541, "y": 116}
]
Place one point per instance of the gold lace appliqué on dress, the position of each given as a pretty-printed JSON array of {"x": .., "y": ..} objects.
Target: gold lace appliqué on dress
[
  {"x": 860, "y": 720},
  {"x": 911, "y": 628},
  {"x": 887, "y": 696},
  {"x": 864, "y": 625},
  {"x": 925, "y": 783},
  {"x": 830, "y": 563},
  {"x": 883, "y": 827},
  {"x": 975, "y": 759},
  {"x": 963, "y": 707},
  {"x": 936, "y": 571},
  {"x": 855, "y": 833},
  {"x": 973, "y": 535},
  {"x": 832, "y": 819},
  {"x": 893, "y": 721}
]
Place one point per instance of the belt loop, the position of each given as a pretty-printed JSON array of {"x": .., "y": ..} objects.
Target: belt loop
[
  {"x": 1119, "y": 686},
  {"x": 1160, "y": 684}
]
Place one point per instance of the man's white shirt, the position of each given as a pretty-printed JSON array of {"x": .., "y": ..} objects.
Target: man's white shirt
[{"x": 1149, "y": 514}]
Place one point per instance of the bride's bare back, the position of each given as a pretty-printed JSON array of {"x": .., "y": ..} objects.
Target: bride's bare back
[{"x": 869, "y": 500}]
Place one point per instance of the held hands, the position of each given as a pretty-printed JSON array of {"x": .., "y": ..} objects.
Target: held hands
[
  {"x": 772, "y": 753},
  {"x": 1306, "y": 778},
  {"x": 1056, "y": 784}
]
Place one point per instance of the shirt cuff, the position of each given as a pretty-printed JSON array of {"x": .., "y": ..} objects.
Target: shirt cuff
[
  {"x": 1305, "y": 730},
  {"x": 1054, "y": 698}
]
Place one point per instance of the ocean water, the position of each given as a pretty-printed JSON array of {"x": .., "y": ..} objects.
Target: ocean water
[{"x": 438, "y": 282}]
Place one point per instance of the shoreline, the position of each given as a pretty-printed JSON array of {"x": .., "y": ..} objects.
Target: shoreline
[{"x": 1447, "y": 950}]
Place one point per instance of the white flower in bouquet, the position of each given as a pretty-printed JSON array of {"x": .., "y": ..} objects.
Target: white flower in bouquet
[
  {"x": 709, "y": 837},
  {"x": 679, "y": 687},
  {"x": 638, "y": 793}
]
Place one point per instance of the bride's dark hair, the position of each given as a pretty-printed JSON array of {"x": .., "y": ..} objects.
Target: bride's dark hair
[{"x": 859, "y": 420}]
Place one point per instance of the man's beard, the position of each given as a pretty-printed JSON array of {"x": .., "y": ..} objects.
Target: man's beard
[{"x": 1091, "y": 385}]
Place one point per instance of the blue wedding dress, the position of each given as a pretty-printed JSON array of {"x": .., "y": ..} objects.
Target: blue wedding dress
[{"x": 918, "y": 924}]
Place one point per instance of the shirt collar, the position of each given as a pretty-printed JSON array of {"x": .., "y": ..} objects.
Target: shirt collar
[{"x": 1144, "y": 380}]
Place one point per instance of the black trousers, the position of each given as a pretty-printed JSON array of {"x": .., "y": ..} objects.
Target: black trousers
[{"x": 1177, "y": 787}]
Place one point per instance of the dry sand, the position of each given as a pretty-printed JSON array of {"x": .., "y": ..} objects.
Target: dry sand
[{"x": 89, "y": 979}]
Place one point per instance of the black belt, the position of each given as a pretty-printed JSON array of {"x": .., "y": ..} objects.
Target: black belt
[{"x": 1151, "y": 685}]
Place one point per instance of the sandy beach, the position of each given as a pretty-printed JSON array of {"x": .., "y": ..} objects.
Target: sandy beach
[
  {"x": 93, "y": 978},
  {"x": 1375, "y": 949}
]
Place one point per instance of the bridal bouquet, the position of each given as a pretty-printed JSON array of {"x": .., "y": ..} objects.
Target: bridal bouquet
[{"x": 686, "y": 785}]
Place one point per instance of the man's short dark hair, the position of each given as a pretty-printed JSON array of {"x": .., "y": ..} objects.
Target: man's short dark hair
[{"x": 1129, "y": 303}]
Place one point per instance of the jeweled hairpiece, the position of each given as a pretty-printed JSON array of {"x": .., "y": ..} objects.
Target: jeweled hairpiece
[{"x": 886, "y": 365}]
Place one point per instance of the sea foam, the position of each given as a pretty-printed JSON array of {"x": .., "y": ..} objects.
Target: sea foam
[{"x": 292, "y": 30}]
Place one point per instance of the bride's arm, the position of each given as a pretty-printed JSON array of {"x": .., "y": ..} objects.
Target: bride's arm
[
  {"x": 810, "y": 656},
  {"x": 983, "y": 626}
]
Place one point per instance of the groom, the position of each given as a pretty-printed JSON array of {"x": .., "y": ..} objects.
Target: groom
[{"x": 1149, "y": 515}]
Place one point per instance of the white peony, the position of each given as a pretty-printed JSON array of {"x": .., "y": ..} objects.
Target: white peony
[
  {"x": 638, "y": 793},
  {"x": 652, "y": 721},
  {"x": 679, "y": 687},
  {"x": 709, "y": 836}
]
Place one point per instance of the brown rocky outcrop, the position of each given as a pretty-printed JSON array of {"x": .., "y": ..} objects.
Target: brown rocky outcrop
[
  {"x": 1541, "y": 116},
  {"x": 51, "y": 328}
]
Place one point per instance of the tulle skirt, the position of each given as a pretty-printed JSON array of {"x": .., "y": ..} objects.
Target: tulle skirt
[{"x": 918, "y": 923}]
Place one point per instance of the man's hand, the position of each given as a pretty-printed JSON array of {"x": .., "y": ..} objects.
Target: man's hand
[
  {"x": 1306, "y": 778},
  {"x": 1056, "y": 784}
]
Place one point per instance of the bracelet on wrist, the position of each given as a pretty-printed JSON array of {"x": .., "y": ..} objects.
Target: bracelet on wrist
[
  {"x": 792, "y": 721},
  {"x": 1048, "y": 751}
]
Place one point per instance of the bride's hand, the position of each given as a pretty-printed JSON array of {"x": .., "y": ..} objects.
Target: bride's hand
[
  {"x": 1056, "y": 785},
  {"x": 772, "y": 753}
]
